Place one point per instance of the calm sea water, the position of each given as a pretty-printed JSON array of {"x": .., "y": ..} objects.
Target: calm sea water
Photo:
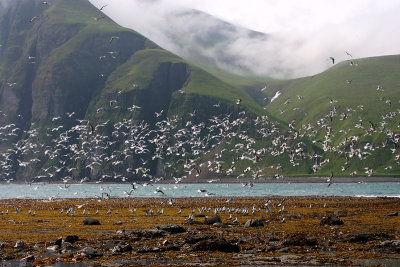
[{"x": 40, "y": 191}]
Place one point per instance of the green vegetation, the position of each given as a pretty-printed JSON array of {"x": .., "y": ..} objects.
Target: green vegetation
[
  {"x": 318, "y": 91},
  {"x": 74, "y": 60}
]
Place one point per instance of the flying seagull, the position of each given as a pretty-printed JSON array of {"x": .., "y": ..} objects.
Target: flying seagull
[
  {"x": 330, "y": 179},
  {"x": 113, "y": 38},
  {"x": 35, "y": 18},
  {"x": 333, "y": 60},
  {"x": 103, "y": 7},
  {"x": 348, "y": 54}
]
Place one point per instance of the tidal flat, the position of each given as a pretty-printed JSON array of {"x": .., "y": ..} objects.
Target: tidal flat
[{"x": 307, "y": 230}]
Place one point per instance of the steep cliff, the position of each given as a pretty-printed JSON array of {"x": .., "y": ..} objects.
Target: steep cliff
[{"x": 65, "y": 62}]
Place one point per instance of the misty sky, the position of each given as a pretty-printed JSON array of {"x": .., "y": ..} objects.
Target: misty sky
[{"x": 303, "y": 34}]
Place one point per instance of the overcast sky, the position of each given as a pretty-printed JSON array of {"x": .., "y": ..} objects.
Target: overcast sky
[{"x": 303, "y": 33}]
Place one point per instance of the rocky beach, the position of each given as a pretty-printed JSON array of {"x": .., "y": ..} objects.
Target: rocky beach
[{"x": 315, "y": 231}]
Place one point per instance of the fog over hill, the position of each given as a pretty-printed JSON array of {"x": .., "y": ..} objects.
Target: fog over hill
[{"x": 200, "y": 37}]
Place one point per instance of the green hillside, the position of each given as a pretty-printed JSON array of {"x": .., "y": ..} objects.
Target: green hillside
[
  {"x": 347, "y": 102},
  {"x": 66, "y": 62},
  {"x": 349, "y": 87},
  {"x": 84, "y": 99}
]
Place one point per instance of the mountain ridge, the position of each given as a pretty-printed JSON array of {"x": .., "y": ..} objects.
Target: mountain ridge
[
  {"x": 83, "y": 99},
  {"x": 65, "y": 60}
]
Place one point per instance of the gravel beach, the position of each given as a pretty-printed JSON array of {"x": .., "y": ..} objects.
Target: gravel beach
[{"x": 315, "y": 231}]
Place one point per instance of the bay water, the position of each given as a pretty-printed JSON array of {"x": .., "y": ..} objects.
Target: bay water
[{"x": 45, "y": 191}]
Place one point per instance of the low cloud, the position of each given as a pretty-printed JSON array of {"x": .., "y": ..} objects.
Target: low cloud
[{"x": 280, "y": 54}]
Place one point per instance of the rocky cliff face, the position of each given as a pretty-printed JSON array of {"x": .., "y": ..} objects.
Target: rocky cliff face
[{"x": 65, "y": 65}]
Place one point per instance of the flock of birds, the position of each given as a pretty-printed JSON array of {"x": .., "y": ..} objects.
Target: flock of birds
[
  {"x": 229, "y": 208},
  {"x": 237, "y": 145},
  {"x": 225, "y": 145}
]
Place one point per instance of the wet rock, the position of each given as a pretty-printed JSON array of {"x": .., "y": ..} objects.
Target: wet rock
[
  {"x": 212, "y": 220},
  {"x": 67, "y": 246},
  {"x": 250, "y": 239},
  {"x": 58, "y": 242},
  {"x": 2, "y": 245},
  {"x": 254, "y": 223},
  {"x": 170, "y": 246},
  {"x": 171, "y": 228},
  {"x": 363, "y": 237},
  {"x": 217, "y": 244},
  {"x": 19, "y": 244},
  {"x": 121, "y": 248},
  {"x": 54, "y": 248},
  {"x": 220, "y": 224},
  {"x": 90, "y": 252},
  {"x": 195, "y": 238},
  {"x": 331, "y": 220},
  {"x": 300, "y": 239},
  {"x": 118, "y": 223},
  {"x": 390, "y": 245},
  {"x": 71, "y": 239},
  {"x": 392, "y": 214},
  {"x": 150, "y": 250},
  {"x": 152, "y": 233},
  {"x": 29, "y": 258},
  {"x": 110, "y": 245},
  {"x": 91, "y": 221}
]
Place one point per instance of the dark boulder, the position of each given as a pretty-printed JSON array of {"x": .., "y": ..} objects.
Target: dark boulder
[
  {"x": 212, "y": 220},
  {"x": 195, "y": 238},
  {"x": 91, "y": 252},
  {"x": 363, "y": 237},
  {"x": 152, "y": 233},
  {"x": 29, "y": 258},
  {"x": 331, "y": 220},
  {"x": 71, "y": 239},
  {"x": 254, "y": 223},
  {"x": 171, "y": 228},
  {"x": 58, "y": 242},
  {"x": 220, "y": 224},
  {"x": 90, "y": 221},
  {"x": 300, "y": 239},
  {"x": 121, "y": 248}
]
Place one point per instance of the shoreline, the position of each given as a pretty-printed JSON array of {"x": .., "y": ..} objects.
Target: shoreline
[{"x": 260, "y": 180}]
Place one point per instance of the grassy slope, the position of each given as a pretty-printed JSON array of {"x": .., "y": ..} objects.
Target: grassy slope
[
  {"x": 331, "y": 84},
  {"x": 79, "y": 55},
  {"x": 138, "y": 74},
  {"x": 318, "y": 90},
  {"x": 141, "y": 66}
]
